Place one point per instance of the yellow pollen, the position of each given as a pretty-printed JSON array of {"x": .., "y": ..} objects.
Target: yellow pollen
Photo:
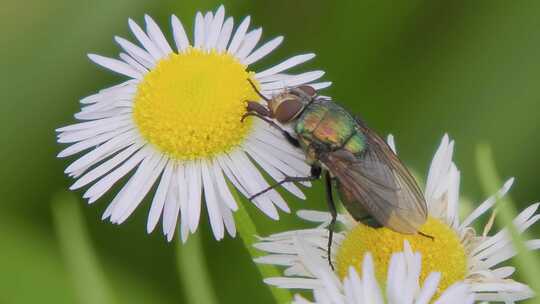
[
  {"x": 190, "y": 105},
  {"x": 443, "y": 254}
]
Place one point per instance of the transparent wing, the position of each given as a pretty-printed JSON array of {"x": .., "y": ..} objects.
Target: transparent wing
[{"x": 381, "y": 183}]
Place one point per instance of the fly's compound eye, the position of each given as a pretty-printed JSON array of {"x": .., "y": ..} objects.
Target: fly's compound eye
[
  {"x": 288, "y": 110},
  {"x": 308, "y": 90}
]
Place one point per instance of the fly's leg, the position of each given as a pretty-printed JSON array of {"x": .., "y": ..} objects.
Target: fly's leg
[
  {"x": 293, "y": 141},
  {"x": 258, "y": 110},
  {"x": 257, "y": 90},
  {"x": 333, "y": 212},
  {"x": 315, "y": 174},
  {"x": 426, "y": 235}
]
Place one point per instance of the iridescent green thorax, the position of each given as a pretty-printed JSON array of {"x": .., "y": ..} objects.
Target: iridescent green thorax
[{"x": 328, "y": 124}]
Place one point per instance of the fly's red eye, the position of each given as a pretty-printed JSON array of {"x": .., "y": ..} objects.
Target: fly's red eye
[
  {"x": 309, "y": 90},
  {"x": 288, "y": 110}
]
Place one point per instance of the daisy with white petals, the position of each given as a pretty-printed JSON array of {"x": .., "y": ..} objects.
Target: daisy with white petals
[
  {"x": 402, "y": 284},
  {"x": 175, "y": 123},
  {"x": 456, "y": 251}
]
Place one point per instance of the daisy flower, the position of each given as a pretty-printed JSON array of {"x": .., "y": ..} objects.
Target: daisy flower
[
  {"x": 457, "y": 250},
  {"x": 175, "y": 123},
  {"x": 402, "y": 285}
]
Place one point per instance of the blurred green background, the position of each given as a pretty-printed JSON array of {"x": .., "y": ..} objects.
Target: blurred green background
[{"x": 414, "y": 68}]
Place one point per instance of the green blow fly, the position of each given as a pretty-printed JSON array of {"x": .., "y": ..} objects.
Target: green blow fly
[{"x": 372, "y": 183}]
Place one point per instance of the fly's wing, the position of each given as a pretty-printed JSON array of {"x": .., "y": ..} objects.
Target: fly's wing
[{"x": 380, "y": 182}]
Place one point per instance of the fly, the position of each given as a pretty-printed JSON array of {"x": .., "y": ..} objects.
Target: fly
[{"x": 372, "y": 183}]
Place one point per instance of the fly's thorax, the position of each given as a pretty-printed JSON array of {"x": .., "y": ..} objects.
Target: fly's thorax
[{"x": 328, "y": 124}]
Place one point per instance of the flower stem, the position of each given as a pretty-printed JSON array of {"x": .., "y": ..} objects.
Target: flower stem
[
  {"x": 193, "y": 271},
  {"x": 248, "y": 232},
  {"x": 526, "y": 261},
  {"x": 81, "y": 261}
]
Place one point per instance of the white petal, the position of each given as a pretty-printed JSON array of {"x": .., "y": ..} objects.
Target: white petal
[
  {"x": 179, "y": 34},
  {"x": 487, "y": 204},
  {"x": 171, "y": 209},
  {"x": 133, "y": 63},
  {"x": 105, "y": 183},
  {"x": 94, "y": 141},
  {"x": 396, "y": 278},
  {"x": 136, "y": 52},
  {"x": 199, "y": 30},
  {"x": 457, "y": 293},
  {"x": 208, "y": 18},
  {"x": 503, "y": 272},
  {"x": 150, "y": 47},
  {"x": 285, "y": 162},
  {"x": 103, "y": 114},
  {"x": 287, "y": 64},
  {"x": 115, "y": 66},
  {"x": 250, "y": 183},
  {"x": 263, "y": 134},
  {"x": 127, "y": 87},
  {"x": 320, "y": 85},
  {"x": 141, "y": 182},
  {"x": 230, "y": 176},
  {"x": 264, "y": 50},
  {"x": 275, "y": 77},
  {"x": 249, "y": 43},
  {"x": 429, "y": 288},
  {"x": 183, "y": 202},
  {"x": 105, "y": 167},
  {"x": 215, "y": 28},
  {"x": 184, "y": 224},
  {"x": 435, "y": 170},
  {"x": 159, "y": 198},
  {"x": 274, "y": 196},
  {"x": 225, "y": 35},
  {"x": 452, "y": 215},
  {"x": 110, "y": 105},
  {"x": 293, "y": 283},
  {"x": 371, "y": 287},
  {"x": 391, "y": 143},
  {"x": 275, "y": 174},
  {"x": 227, "y": 217},
  {"x": 214, "y": 214},
  {"x": 156, "y": 35},
  {"x": 222, "y": 187},
  {"x": 293, "y": 81},
  {"x": 193, "y": 175},
  {"x": 117, "y": 143},
  {"x": 106, "y": 126},
  {"x": 239, "y": 35}
]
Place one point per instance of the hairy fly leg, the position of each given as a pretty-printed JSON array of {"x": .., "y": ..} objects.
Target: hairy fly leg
[
  {"x": 293, "y": 141},
  {"x": 333, "y": 213},
  {"x": 315, "y": 174}
]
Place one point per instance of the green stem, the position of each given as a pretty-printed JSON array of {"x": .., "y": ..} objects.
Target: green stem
[
  {"x": 248, "y": 231},
  {"x": 81, "y": 260},
  {"x": 193, "y": 271},
  {"x": 525, "y": 261}
]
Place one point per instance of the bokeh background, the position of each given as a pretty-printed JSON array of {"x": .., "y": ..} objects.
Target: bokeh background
[{"x": 415, "y": 68}]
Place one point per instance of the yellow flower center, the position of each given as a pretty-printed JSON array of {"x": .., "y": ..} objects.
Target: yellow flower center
[
  {"x": 443, "y": 254},
  {"x": 190, "y": 105}
]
